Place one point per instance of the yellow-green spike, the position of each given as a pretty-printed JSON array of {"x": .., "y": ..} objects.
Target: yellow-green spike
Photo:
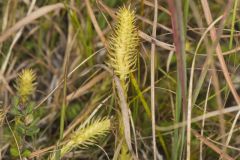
[
  {"x": 25, "y": 84},
  {"x": 123, "y": 45}
]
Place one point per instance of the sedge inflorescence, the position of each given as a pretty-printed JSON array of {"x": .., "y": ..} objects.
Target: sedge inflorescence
[
  {"x": 25, "y": 84},
  {"x": 86, "y": 135},
  {"x": 123, "y": 44}
]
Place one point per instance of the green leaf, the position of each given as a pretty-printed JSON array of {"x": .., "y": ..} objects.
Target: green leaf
[
  {"x": 29, "y": 108},
  {"x": 15, "y": 101},
  {"x": 20, "y": 128},
  {"x": 32, "y": 131},
  {"x": 15, "y": 111},
  {"x": 142, "y": 99}
]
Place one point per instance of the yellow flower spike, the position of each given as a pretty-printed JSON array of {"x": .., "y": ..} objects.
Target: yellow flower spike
[
  {"x": 85, "y": 136},
  {"x": 123, "y": 45},
  {"x": 25, "y": 84}
]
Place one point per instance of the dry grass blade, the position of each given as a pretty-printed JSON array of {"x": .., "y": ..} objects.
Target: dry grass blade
[
  {"x": 18, "y": 35},
  {"x": 231, "y": 51},
  {"x": 190, "y": 92},
  {"x": 199, "y": 118},
  {"x": 28, "y": 19},
  {"x": 212, "y": 146},
  {"x": 82, "y": 90},
  {"x": 95, "y": 23},
  {"x": 61, "y": 82},
  {"x": 203, "y": 121},
  {"x": 215, "y": 38},
  {"x": 157, "y": 42},
  {"x": 213, "y": 34},
  {"x": 159, "y": 7},
  {"x": 124, "y": 111},
  {"x": 153, "y": 49}
]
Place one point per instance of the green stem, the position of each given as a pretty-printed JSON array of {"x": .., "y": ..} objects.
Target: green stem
[{"x": 233, "y": 22}]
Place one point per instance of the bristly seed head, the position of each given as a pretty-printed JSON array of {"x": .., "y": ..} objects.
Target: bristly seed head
[
  {"x": 25, "y": 84},
  {"x": 123, "y": 44},
  {"x": 86, "y": 135}
]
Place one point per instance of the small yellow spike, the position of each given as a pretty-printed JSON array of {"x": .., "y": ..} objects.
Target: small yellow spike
[
  {"x": 25, "y": 84},
  {"x": 85, "y": 136}
]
